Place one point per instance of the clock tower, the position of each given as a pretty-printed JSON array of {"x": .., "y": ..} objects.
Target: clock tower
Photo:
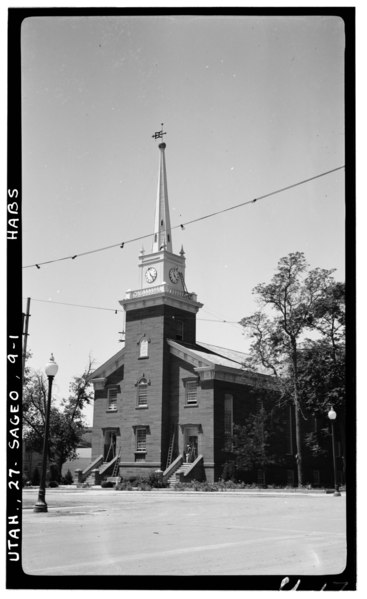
[
  {"x": 162, "y": 266},
  {"x": 162, "y": 272},
  {"x": 161, "y": 310}
]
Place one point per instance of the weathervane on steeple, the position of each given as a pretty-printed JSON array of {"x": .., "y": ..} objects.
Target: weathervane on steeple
[{"x": 159, "y": 134}]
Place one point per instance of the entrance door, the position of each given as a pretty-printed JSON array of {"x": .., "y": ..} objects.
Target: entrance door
[
  {"x": 191, "y": 445},
  {"x": 109, "y": 446}
]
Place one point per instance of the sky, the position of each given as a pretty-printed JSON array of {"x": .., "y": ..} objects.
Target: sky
[{"x": 250, "y": 105}]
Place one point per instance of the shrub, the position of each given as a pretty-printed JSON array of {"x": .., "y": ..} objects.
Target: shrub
[
  {"x": 124, "y": 486},
  {"x": 204, "y": 486},
  {"x": 68, "y": 478},
  {"x": 53, "y": 484},
  {"x": 156, "y": 481},
  {"x": 144, "y": 486},
  {"x": 229, "y": 484},
  {"x": 138, "y": 485},
  {"x": 107, "y": 484}
]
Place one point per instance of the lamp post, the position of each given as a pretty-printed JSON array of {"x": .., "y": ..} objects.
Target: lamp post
[
  {"x": 51, "y": 369},
  {"x": 332, "y": 417}
]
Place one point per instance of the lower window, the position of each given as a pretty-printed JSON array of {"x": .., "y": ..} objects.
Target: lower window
[{"x": 141, "y": 444}]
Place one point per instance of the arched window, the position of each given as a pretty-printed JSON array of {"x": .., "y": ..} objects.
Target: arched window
[{"x": 142, "y": 393}]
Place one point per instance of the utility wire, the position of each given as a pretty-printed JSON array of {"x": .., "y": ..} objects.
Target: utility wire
[
  {"x": 267, "y": 195},
  {"x": 116, "y": 310},
  {"x": 77, "y": 305},
  {"x": 189, "y": 222}
]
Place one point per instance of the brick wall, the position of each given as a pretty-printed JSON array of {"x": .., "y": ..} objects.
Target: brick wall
[{"x": 156, "y": 323}]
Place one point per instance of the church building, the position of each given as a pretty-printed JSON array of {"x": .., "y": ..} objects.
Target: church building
[{"x": 166, "y": 401}]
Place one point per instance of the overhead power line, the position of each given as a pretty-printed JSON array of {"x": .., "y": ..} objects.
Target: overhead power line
[
  {"x": 117, "y": 310},
  {"x": 189, "y": 222}
]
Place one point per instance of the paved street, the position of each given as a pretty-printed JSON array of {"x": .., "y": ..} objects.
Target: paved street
[{"x": 110, "y": 532}]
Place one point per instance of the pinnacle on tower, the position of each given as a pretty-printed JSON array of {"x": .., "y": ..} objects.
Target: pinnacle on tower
[{"x": 162, "y": 226}]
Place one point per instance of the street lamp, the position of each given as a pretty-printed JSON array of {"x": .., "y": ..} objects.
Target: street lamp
[
  {"x": 332, "y": 417},
  {"x": 51, "y": 369}
]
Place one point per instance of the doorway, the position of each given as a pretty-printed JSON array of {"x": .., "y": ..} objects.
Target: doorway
[
  {"x": 109, "y": 450},
  {"x": 191, "y": 444}
]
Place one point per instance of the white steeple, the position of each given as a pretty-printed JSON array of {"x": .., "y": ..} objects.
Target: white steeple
[
  {"x": 162, "y": 239},
  {"x": 162, "y": 279}
]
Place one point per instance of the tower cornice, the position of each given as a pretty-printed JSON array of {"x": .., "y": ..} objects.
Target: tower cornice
[{"x": 158, "y": 295}]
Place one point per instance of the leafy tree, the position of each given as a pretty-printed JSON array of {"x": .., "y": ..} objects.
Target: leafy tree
[
  {"x": 251, "y": 441},
  {"x": 292, "y": 303},
  {"x": 66, "y": 421},
  {"x": 321, "y": 377},
  {"x": 256, "y": 440},
  {"x": 321, "y": 365}
]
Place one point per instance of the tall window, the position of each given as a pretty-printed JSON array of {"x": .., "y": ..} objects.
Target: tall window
[
  {"x": 228, "y": 421},
  {"x": 143, "y": 393},
  {"x": 143, "y": 348},
  {"x": 179, "y": 330},
  {"x": 141, "y": 440},
  {"x": 191, "y": 392},
  {"x": 112, "y": 399}
]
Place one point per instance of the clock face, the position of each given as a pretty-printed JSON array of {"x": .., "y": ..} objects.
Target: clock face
[
  {"x": 174, "y": 274},
  {"x": 151, "y": 274}
]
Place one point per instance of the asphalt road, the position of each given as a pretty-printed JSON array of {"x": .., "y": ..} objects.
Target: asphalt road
[{"x": 108, "y": 532}]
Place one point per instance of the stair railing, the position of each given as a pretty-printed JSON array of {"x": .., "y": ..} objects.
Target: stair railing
[{"x": 172, "y": 467}]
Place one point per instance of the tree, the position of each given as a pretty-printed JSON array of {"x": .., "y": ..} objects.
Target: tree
[
  {"x": 66, "y": 421},
  {"x": 321, "y": 365},
  {"x": 292, "y": 303},
  {"x": 255, "y": 440}
]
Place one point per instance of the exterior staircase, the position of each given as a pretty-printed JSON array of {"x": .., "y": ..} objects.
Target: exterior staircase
[
  {"x": 173, "y": 479},
  {"x": 98, "y": 470},
  {"x": 110, "y": 467}
]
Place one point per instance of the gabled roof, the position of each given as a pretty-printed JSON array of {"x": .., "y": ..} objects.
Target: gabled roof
[
  {"x": 230, "y": 354},
  {"x": 235, "y": 356},
  {"x": 108, "y": 367},
  {"x": 202, "y": 356}
]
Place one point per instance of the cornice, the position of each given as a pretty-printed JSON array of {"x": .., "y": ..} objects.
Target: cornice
[
  {"x": 160, "y": 294},
  {"x": 108, "y": 367}
]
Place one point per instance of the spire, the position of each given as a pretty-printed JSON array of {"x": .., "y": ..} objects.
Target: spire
[{"x": 162, "y": 225}]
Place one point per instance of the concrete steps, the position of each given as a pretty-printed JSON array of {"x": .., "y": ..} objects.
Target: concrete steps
[{"x": 182, "y": 469}]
